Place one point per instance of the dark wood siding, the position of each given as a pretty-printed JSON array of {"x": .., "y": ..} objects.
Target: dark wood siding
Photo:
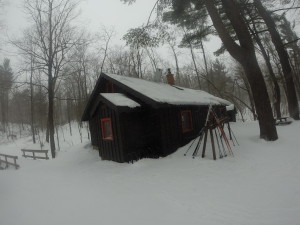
[
  {"x": 141, "y": 134},
  {"x": 94, "y": 132},
  {"x": 170, "y": 130},
  {"x": 147, "y": 133},
  {"x": 110, "y": 149},
  {"x": 172, "y": 136}
]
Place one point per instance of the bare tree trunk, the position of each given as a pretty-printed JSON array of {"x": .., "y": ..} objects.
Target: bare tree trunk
[
  {"x": 51, "y": 84},
  {"x": 68, "y": 116},
  {"x": 57, "y": 138},
  {"x": 295, "y": 68},
  {"x": 51, "y": 113},
  {"x": 250, "y": 95},
  {"x": 284, "y": 60},
  {"x": 32, "y": 102},
  {"x": 152, "y": 58},
  {"x": 3, "y": 114},
  {"x": 177, "y": 66},
  {"x": 139, "y": 60},
  {"x": 195, "y": 65},
  {"x": 205, "y": 64}
]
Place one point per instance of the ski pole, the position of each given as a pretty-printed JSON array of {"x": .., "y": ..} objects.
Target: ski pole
[
  {"x": 220, "y": 153},
  {"x": 190, "y": 146},
  {"x": 202, "y": 133},
  {"x": 235, "y": 138},
  {"x": 195, "y": 153},
  {"x": 219, "y": 125},
  {"x": 230, "y": 133},
  {"x": 226, "y": 141},
  {"x": 194, "y": 141},
  {"x": 224, "y": 150}
]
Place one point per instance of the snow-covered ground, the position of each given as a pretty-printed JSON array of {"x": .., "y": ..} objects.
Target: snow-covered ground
[{"x": 259, "y": 185}]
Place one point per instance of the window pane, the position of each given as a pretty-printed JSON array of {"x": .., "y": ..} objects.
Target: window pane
[
  {"x": 186, "y": 121},
  {"x": 106, "y": 128}
]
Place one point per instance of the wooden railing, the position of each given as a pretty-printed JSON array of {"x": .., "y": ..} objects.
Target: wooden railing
[
  {"x": 34, "y": 152},
  {"x": 283, "y": 121},
  {"x": 6, "y": 162}
]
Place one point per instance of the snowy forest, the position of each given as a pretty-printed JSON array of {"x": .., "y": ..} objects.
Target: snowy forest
[
  {"x": 242, "y": 52},
  {"x": 256, "y": 66}
]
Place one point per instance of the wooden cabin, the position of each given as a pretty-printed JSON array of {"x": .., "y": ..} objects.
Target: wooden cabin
[{"x": 131, "y": 118}]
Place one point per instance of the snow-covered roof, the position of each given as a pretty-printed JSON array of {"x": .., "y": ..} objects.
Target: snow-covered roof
[
  {"x": 119, "y": 99},
  {"x": 230, "y": 107},
  {"x": 165, "y": 93}
]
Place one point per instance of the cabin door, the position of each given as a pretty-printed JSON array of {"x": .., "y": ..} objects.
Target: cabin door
[{"x": 152, "y": 135}]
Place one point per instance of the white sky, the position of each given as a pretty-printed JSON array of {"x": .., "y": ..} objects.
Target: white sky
[{"x": 94, "y": 14}]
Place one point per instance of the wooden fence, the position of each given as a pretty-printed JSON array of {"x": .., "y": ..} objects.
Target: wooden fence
[
  {"x": 5, "y": 159},
  {"x": 34, "y": 153}
]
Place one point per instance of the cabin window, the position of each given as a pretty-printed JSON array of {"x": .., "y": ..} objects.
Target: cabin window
[
  {"x": 110, "y": 87},
  {"x": 106, "y": 129},
  {"x": 186, "y": 121}
]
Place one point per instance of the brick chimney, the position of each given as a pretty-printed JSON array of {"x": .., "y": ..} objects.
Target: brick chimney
[{"x": 170, "y": 77}]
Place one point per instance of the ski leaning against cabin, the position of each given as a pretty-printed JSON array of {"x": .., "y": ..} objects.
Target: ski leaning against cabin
[{"x": 131, "y": 118}]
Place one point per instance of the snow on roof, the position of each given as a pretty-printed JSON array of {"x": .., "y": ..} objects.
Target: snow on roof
[
  {"x": 165, "y": 93},
  {"x": 230, "y": 107},
  {"x": 119, "y": 99}
]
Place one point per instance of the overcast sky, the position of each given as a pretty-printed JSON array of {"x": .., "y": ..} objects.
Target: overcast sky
[{"x": 94, "y": 14}]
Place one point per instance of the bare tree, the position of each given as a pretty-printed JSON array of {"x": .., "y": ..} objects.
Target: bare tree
[
  {"x": 105, "y": 36},
  {"x": 53, "y": 36},
  {"x": 170, "y": 39}
]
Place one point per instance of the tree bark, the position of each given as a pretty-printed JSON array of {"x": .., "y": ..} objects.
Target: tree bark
[
  {"x": 51, "y": 83},
  {"x": 195, "y": 65},
  {"x": 32, "y": 104},
  {"x": 245, "y": 55},
  {"x": 293, "y": 105},
  {"x": 3, "y": 117},
  {"x": 266, "y": 57},
  {"x": 250, "y": 95},
  {"x": 176, "y": 63},
  {"x": 261, "y": 100},
  {"x": 205, "y": 64},
  {"x": 51, "y": 112}
]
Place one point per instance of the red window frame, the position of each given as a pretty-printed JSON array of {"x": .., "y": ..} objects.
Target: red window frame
[
  {"x": 110, "y": 88},
  {"x": 186, "y": 127},
  {"x": 103, "y": 127}
]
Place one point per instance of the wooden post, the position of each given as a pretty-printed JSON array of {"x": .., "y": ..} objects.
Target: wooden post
[
  {"x": 204, "y": 144},
  {"x": 229, "y": 130},
  {"x": 33, "y": 155},
  {"x": 212, "y": 143},
  {"x": 6, "y": 161},
  {"x": 15, "y": 162}
]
